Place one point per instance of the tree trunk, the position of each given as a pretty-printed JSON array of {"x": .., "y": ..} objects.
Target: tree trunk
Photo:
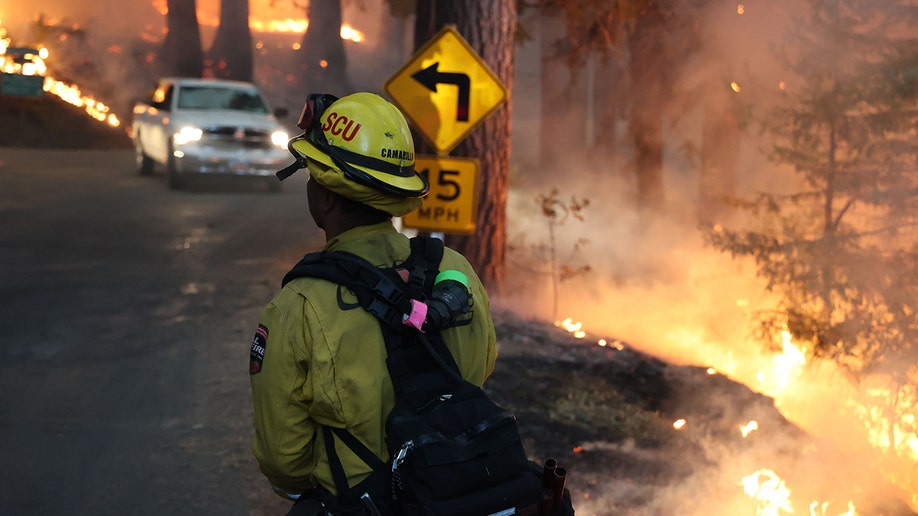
[
  {"x": 181, "y": 54},
  {"x": 649, "y": 92},
  {"x": 489, "y": 27},
  {"x": 323, "y": 63},
  {"x": 607, "y": 112},
  {"x": 231, "y": 54},
  {"x": 562, "y": 133}
]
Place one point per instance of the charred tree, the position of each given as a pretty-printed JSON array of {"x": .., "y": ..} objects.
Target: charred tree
[
  {"x": 230, "y": 56},
  {"x": 181, "y": 53},
  {"x": 322, "y": 61},
  {"x": 489, "y": 28}
]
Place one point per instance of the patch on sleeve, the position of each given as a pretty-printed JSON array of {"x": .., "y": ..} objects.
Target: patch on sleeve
[{"x": 259, "y": 343}]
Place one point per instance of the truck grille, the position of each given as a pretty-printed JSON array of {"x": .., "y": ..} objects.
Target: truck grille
[{"x": 235, "y": 136}]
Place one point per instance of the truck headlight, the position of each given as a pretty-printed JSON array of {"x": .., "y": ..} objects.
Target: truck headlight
[
  {"x": 187, "y": 135},
  {"x": 280, "y": 139}
]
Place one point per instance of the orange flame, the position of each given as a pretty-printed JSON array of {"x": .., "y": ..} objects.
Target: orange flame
[
  {"x": 72, "y": 95},
  {"x": 769, "y": 492},
  {"x": 288, "y": 25},
  {"x": 291, "y": 25},
  {"x": 785, "y": 366}
]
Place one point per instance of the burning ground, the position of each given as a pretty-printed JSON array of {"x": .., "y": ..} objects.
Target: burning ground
[{"x": 641, "y": 436}]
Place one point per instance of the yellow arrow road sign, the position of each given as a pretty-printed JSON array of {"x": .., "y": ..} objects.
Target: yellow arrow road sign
[
  {"x": 450, "y": 205},
  {"x": 446, "y": 90}
]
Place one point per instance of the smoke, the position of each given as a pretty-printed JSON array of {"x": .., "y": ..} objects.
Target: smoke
[
  {"x": 99, "y": 14},
  {"x": 655, "y": 286}
]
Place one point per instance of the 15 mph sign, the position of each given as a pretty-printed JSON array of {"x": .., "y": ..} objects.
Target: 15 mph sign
[
  {"x": 450, "y": 205},
  {"x": 446, "y": 90}
]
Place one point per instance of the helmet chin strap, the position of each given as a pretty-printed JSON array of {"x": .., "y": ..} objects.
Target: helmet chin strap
[{"x": 290, "y": 169}]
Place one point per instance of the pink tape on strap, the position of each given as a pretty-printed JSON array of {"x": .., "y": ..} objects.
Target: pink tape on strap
[{"x": 417, "y": 316}]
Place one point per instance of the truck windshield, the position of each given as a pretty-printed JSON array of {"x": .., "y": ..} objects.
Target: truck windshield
[{"x": 214, "y": 97}]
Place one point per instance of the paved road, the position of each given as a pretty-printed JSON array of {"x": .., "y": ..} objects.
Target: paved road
[{"x": 126, "y": 313}]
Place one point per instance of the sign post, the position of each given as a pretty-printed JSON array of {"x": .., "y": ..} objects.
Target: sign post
[{"x": 445, "y": 91}]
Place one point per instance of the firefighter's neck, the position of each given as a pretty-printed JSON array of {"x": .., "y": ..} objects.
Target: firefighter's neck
[
  {"x": 337, "y": 221},
  {"x": 336, "y": 214}
]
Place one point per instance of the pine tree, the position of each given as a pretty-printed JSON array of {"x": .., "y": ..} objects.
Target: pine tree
[{"x": 841, "y": 249}]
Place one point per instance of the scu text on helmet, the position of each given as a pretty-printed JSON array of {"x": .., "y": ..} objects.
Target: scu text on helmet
[{"x": 340, "y": 126}]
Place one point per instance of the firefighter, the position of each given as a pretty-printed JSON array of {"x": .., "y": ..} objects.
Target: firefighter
[{"x": 317, "y": 358}]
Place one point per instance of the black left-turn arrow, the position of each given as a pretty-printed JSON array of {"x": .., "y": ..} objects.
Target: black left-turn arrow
[{"x": 430, "y": 77}]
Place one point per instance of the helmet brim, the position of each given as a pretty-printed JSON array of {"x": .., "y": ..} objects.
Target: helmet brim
[{"x": 414, "y": 185}]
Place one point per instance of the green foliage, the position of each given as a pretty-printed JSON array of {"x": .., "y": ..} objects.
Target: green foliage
[{"x": 842, "y": 251}]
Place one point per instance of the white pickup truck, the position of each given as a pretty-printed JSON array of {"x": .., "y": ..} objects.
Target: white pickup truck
[{"x": 209, "y": 126}]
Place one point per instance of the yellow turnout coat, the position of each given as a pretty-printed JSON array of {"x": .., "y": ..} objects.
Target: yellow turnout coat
[{"x": 314, "y": 363}]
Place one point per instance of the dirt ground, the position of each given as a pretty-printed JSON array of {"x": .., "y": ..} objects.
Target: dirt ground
[{"x": 51, "y": 123}]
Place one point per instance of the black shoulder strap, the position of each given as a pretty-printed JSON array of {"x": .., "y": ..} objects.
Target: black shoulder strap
[
  {"x": 377, "y": 292},
  {"x": 423, "y": 265}
]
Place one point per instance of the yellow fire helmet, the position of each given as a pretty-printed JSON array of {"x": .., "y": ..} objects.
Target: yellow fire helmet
[{"x": 361, "y": 135}]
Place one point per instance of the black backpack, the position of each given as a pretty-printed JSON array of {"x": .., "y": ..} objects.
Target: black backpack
[{"x": 453, "y": 451}]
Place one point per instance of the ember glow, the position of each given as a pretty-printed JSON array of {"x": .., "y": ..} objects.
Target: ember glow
[
  {"x": 748, "y": 428},
  {"x": 574, "y": 327}
]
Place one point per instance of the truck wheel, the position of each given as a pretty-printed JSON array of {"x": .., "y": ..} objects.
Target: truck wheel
[
  {"x": 173, "y": 178},
  {"x": 144, "y": 163}
]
